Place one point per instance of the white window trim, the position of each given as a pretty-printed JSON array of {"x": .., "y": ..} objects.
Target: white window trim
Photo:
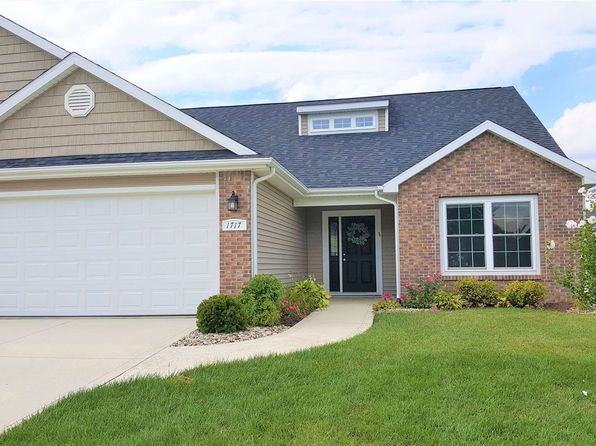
[
  {"x": 490, "y": 270},
  {"x": 352, "y": 115}
]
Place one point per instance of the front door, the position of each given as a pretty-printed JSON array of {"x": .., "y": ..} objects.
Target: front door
[{"x": 352, "y": 254}]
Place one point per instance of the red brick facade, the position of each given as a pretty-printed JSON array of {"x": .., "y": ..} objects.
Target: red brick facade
[
  {"x": 234, "y": 246},
  {"x": 487, "y": 165}
]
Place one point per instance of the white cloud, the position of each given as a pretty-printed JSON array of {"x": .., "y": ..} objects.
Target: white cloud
[
  {"x": 305, "y": 50},
  {"x": 575, "y": 131}
]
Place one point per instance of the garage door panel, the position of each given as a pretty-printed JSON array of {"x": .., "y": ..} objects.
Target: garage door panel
[{"x": 142, "y": 253}]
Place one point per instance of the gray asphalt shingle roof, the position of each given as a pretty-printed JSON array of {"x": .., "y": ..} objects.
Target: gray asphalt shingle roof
[
  {"x": 118, "y": 158},
  {"x": 419, "y": 125}
]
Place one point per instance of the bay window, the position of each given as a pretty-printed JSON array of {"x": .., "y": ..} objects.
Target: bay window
[{"x": 489, "y": 235}]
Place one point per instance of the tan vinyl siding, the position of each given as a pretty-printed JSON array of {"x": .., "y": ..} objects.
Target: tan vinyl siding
[
  {"x": 117, "y": 124},
  {"x": 281, "y": 235},
  {"x": 314, "y": 236},
  {"x": 304, "y": 125},
  {"x": 20, "y": 63},
  {"x": 381, "y": 118},
  {"x": 315, "y": 243},
  {"x": 98, "y": 182}
]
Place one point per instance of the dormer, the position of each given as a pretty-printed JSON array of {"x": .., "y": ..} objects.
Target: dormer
[{"x": 347, "y": 117}]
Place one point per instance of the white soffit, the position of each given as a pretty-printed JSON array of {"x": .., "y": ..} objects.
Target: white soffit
[
  {"x": 350, "y": 106},
  {"x": 587, "y": 175},
  {"x": 74, "y": 61},
  {"x": 33, "y": 38}
]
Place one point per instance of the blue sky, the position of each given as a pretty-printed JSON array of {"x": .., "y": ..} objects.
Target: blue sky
[{"x": 224, "y": 52}]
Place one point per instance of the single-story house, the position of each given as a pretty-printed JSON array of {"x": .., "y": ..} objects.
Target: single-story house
[{"x": 114, "y": 202}]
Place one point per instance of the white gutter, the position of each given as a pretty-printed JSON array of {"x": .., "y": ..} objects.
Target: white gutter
[
  {"x": 126, "y": 169},
  {"x": 253, "y": 218},
  {"x": 396, "y": 237}
]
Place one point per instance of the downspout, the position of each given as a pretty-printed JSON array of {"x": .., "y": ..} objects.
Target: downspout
[
  {"x": 396, "y": 237},
  {"x": 253, "y": 218}
]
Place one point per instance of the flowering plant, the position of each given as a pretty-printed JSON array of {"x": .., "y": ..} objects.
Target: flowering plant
[
  {"x": 579, "y": 277},
  {"x": 387, "y": 302},
  {"x": 421, "y": 293}
]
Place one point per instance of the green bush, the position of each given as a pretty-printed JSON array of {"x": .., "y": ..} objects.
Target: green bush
[
  {"x": 221, "y": 314},
  {"x": 269, "y": 314},
  {"x": 446, "y": 300},
  {"x": 421, "y": 293},
  {"x": 386, "y": 303},
  {"x": 521, "y": 294},
  {"x": 477, "y": 292},
  {"x": 260, "y": 298},
  {"x": 306, "y": 296}
]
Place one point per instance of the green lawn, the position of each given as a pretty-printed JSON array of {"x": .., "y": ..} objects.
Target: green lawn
[{"x": 500, "y": 376}]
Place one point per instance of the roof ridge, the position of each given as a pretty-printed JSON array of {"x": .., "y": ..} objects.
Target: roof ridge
[{"x": 348, "y": 98}]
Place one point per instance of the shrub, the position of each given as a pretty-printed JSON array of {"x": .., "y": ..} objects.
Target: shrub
[
  {"x": 578, "y": 275},
  {"x": 446, "y": 300},
  {"x": 477, "y": 292},
  {"x": 260, "y": 298},
  {"x": 422, "y": 292},
  {"x": 268, "y": 314},
  {"x": 221, "y": 314},
  {"x": 522, "y": 294},
  {"x": 386, "y": 303},
  {"x": 307, "y": 295}
]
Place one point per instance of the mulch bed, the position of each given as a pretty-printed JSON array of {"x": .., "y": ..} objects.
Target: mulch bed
[{"x": 197, "y": 338}]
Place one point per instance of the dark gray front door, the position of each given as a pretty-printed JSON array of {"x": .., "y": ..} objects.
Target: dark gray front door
[{"x": 359, "y": 272}]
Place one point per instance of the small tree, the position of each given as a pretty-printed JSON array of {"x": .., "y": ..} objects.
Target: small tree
[{"x": 580, "y": 276}]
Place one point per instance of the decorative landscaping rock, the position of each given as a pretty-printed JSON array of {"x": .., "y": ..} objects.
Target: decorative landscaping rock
[
  {"x": 197, "y": 338},
  {"x": 402, "y": 310}
]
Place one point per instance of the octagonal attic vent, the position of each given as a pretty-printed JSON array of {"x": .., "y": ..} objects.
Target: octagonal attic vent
[{"x": 79, "y": 100}]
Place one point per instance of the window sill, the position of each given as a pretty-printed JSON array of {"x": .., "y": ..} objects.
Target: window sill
[{"x": 493, "y": 275}]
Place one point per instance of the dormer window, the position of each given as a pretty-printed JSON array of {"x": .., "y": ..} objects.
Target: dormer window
[
  {"x": 365, "y": 121},
  {"x": 343, "y": 118},
  {"x": 320, "y": 124},
  {"x": 342, "y": 123}
]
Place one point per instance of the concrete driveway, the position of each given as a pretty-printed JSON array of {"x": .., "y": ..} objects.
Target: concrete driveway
[{"x": 44, "y": 359}]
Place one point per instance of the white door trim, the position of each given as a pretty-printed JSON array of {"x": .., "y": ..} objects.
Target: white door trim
[{"x": 376, "y": 213}]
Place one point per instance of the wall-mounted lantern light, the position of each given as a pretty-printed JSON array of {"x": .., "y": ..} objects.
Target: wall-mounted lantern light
[{"x": 233, "y": 202}]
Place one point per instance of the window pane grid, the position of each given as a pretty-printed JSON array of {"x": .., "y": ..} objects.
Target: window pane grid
[
  {"x": 342, "y": 123},
  {"x": 364, "y": 121},
  {"x": 465, "y": 236},
  {"x": 512, "y": 235},
  {"x": 320, "y": 124}
]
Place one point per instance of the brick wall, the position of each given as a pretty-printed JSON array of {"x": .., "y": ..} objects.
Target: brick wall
[
  {"x": 234, "y": 246},
  {"x": 487, "y": 165}
]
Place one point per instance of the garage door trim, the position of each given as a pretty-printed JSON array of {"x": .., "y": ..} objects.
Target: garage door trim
[
  {"x": 107, "y": 191},
  {"x": 175, "y": 190}
]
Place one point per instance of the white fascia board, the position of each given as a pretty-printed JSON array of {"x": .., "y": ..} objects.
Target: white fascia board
[
  {"x": 342, "y": 200},
  {"x": 329, "y": 191},
  {"x": 33, "y": 38},
  {"x": 341, "y": 107},
  {"x": 126, "y": 169},
  {"x": 74, "y": 61},
  {"x": 586, "y": 174}
]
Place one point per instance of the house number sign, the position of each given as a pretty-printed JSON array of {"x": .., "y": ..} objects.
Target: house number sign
[{"x": 234, "y": 224}]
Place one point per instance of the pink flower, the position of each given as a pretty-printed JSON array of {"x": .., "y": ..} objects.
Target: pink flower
[
  {"x": 292, "y": 307},
  {"x": 440, "y": 274},
  {"x": 532, "y": 307},
  {"x": 541, "y": 303},
  {"x": 433, "y": 309}
]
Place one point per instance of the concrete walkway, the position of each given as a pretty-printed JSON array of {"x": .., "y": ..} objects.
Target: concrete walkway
[{"x": 343, "y": 319}]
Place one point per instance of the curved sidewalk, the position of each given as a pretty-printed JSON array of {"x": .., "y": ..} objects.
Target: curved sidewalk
[{"x": 343, "y": 319}]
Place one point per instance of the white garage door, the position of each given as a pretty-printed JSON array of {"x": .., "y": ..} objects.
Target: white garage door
[{"x": 114, "y": 252}]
